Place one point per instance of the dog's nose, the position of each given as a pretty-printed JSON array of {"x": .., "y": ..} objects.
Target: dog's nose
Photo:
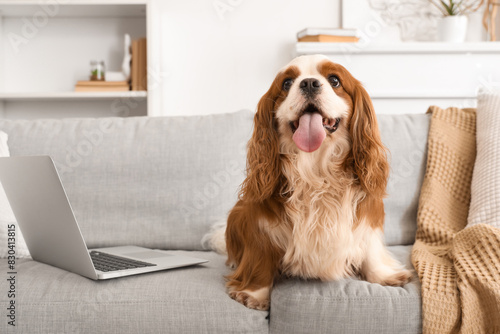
[{"x": 310, "y": 86}]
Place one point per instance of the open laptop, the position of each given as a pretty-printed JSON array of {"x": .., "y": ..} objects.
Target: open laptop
[{"x": 44, "y": 214}]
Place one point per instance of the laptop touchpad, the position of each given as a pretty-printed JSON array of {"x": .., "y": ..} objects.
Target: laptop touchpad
[{"x": 147, "y": 255}]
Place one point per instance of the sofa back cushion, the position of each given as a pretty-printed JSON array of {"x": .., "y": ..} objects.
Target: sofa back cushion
[
  {"x": 162, "y": 182},
  {"x": 153, "y": 182},
  {"x": 405, "y": 136}
]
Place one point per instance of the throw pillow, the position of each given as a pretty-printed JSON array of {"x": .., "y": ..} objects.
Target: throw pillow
[{"x": 485, "y": 187}]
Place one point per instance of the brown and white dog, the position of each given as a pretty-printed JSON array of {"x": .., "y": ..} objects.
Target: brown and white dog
[{"x": 311, "y": 204}]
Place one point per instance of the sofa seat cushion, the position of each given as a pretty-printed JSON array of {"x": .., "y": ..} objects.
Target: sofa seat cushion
[
  {"x": 185, "y": 300},
  {"x": 347, "y": 306}
]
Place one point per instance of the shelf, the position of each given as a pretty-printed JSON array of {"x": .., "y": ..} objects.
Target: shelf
[
  {"x": 398, "y": 48},
  {"x": 73, "y": 96},
  {"x": 424, "y": 94},
  {"x": 75, "y": 8}
]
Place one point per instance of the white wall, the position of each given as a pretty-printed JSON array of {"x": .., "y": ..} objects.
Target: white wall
[{"x": 222, "y": 61}]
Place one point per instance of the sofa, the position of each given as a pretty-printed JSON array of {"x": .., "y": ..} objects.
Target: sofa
[{"x": 162, "y": 183}]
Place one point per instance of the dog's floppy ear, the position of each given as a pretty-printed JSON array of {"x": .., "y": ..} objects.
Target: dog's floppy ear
[
  {"x": 369, "y": 154},
  {"x": 263, "y": 162}
]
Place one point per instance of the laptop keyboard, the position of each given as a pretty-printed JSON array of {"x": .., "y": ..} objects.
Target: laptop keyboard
[{"x": 107, "y": 262}]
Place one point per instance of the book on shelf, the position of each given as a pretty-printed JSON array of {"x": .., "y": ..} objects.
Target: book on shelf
[
  {"x": 328, "y": 31},
  {"x": 329, "y": 39},
  {"x": 138, "y": 69},
  {"x": 102, "y": 86},
  {"x": 328, "y": 35}
]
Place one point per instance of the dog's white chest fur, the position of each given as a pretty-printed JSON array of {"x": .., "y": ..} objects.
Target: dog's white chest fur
[
  {"x": 323, "y": 244},
  {"x": 321, "y": 211}
]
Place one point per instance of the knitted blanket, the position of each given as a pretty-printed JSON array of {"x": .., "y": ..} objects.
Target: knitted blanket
[{"x": 459, "y": 269}]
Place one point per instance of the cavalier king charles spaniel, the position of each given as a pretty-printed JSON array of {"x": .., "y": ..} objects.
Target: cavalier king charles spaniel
[{"x": 311, "y": 204}]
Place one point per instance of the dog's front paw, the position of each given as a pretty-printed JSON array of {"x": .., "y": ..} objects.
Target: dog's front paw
[
  {"x": 389, "y": 276},
  {"x": 256, "y": 299},
  {"x": 399, "y": 278}
]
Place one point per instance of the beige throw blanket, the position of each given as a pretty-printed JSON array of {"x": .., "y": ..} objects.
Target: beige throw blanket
[{"x": 459, "y": 268}]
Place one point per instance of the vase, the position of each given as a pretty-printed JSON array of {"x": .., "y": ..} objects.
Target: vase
[
  {"x": 452, "y": 28},
  {"x": 126, "y": 57},
  {"x": 475, "y": 29}
]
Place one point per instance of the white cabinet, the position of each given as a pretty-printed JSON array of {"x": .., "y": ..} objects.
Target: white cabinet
[{"x": 409, "y": 77}]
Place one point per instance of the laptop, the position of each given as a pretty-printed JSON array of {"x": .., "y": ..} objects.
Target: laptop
[{"x": 46, "y": 219}]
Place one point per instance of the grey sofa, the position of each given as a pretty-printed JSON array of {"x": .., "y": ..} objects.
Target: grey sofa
[{"x": 161, "y": 183}]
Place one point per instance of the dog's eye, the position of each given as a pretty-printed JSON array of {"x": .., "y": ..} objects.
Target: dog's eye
[
  {"x": 334, "y": 81},
  {"x": 287, "y": 84}
]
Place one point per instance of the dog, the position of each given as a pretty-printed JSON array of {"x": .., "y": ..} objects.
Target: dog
[{"x": 311, "y": 205}]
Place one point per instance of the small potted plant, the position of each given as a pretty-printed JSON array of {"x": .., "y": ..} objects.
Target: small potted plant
[{"x": 453, "y": 25}]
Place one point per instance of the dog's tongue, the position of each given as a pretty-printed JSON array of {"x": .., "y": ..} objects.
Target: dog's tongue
[{"x": 310, "y": 133}]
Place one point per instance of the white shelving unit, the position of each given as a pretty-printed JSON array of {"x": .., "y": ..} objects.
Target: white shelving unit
[{"x": 46, "y": 46}]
